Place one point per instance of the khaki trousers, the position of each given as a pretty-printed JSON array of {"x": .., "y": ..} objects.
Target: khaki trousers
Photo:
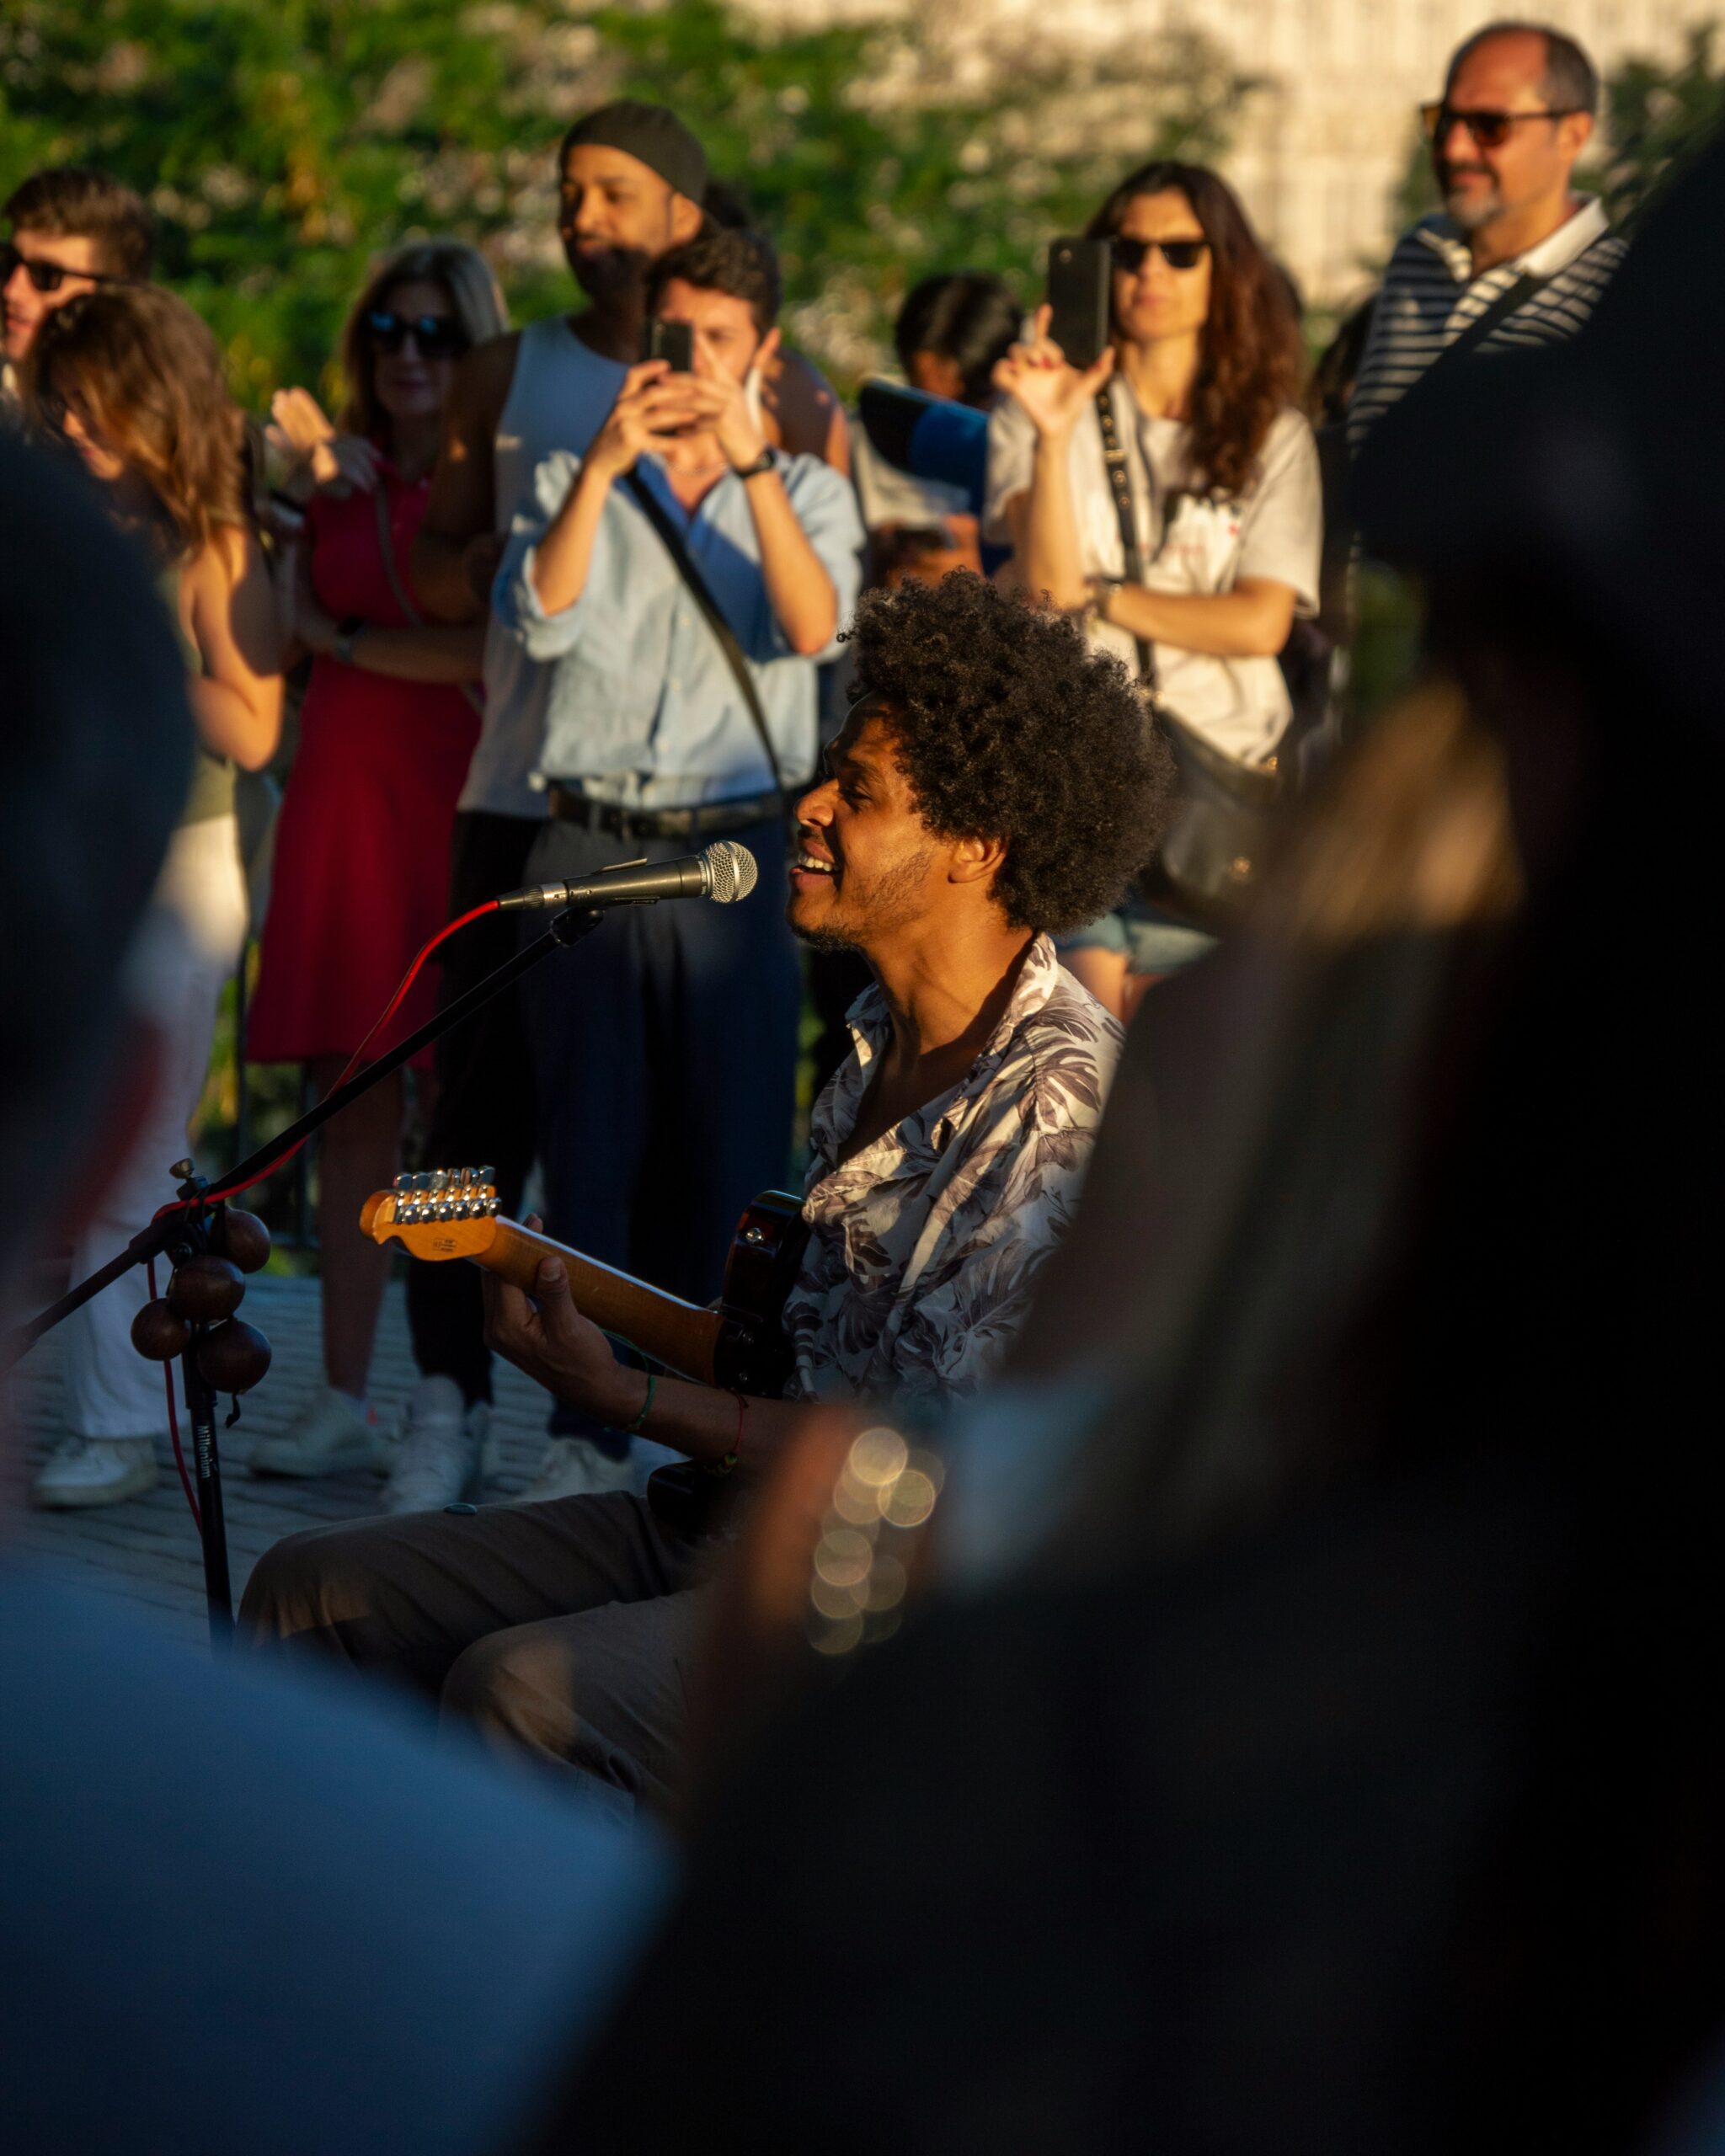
[{"x": 563, "y": 1631}]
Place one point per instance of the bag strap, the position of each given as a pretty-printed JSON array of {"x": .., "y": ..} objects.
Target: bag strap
[
  {"x": 398, "y": 583},
  {"x": 1512, "y": 297},
  {"x": 699, "y": 590},
  {"x": 1113, "y": 457}
]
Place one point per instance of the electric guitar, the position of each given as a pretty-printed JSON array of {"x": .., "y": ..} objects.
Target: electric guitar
[{"x": 737, "y": 1344}]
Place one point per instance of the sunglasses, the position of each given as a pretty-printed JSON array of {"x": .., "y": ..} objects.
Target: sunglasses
[
  {"x": 48, "y": 276},
  {"x": 1179, "y": 253},
  {"x": 1489, "y": 130},
  {"x": 435, "y": 336}
]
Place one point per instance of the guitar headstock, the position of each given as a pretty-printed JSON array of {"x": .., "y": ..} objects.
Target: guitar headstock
[{"x": 445, "y": 1212}]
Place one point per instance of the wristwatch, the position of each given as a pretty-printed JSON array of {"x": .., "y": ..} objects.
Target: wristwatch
[
  {"x": 345, "y": 637},
  {"x": 1102, "y": 589},
  {"x": 763, "y": 462}
]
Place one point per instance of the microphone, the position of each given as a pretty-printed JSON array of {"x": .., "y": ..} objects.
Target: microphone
[{"x": 725, "y": 873}]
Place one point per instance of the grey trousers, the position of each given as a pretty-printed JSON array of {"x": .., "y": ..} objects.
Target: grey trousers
[{"x": 562, "y": 1630}]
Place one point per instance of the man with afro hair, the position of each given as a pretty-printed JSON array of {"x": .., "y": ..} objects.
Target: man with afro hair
[{"x": 995, "y": 782}]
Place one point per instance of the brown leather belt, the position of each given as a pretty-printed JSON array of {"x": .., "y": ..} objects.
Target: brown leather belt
[{"x": 740, "y": 815}]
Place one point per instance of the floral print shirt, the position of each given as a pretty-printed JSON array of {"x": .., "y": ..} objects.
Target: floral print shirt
[{"x": 923, "y": 1247}]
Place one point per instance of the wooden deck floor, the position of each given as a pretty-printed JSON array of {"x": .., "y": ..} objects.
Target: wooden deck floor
[{"x": 147, "y": 1550}]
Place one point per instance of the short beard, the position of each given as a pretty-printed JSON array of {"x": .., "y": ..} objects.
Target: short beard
[
  {"x": 1473, "y": 210},
  {"x": 889, "y": 903},
  {"x": 618, "y": 269},
  {"x": 823, "y": 939}
]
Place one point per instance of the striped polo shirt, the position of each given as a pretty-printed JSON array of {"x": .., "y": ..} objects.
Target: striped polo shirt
[{"x": 1429, "y": 295}]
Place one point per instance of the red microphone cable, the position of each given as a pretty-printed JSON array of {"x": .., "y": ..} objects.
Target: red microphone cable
[
  {"x": 179, "y": 1205},
  {"x": 354, "y": 1061}
]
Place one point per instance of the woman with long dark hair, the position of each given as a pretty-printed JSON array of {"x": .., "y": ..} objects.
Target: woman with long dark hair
[
  {"x": 1197, "y": 391},
  {"x": 388, "y": 727},
  {"x": 129, "y": 378}
]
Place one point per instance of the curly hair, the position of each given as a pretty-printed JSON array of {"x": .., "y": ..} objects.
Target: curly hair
[
  {"x": 144, "y": 375},
  {"x": 1249, "y": 372},
  {"x": 1008, "y": 725}
]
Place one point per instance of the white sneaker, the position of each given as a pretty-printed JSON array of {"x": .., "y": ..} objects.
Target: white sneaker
[
  {"x": 94, "y": 1471},
  {"x": 575, "y": 1467},
  {"x": 329, "y": 1436},
  {"x": 440, "y": 1454}
]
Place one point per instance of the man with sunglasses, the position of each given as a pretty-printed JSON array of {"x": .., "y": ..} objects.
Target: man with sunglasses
[
  {"x": 73, "y": 229},
  {"x": 1516, "y": 257}
]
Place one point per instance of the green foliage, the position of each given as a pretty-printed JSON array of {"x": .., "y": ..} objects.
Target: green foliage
[
  {"x": 283, "y": 144},
  {"x": 1655, "y": 119}
]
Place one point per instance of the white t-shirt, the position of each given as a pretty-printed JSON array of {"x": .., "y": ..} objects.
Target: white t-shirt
[{"x": 1274, "y": 530}]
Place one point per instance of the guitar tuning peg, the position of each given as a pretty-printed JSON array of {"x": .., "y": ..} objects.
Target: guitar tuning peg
[
  {"x": 422, "y": 1183},
  {"x": 402, "y": 1182},
  {"x": 486, "y": 1175},
  {"x": 440, "y": 1179},
  {"x": 467, "y": 1178}
]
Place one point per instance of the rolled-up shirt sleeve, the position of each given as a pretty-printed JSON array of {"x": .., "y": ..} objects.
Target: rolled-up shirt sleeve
[
  {"x": 826, "y": 505},
  {"x": 514, "y": 599}
]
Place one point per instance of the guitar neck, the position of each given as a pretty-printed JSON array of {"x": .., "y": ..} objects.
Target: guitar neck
[{"x": 682, "y": 1336}]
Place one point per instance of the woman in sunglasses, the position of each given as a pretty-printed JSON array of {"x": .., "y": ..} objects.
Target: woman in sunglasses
[
  {"x": 387, "y": 729},
  {"x": 128, "y": 377},
  {"x": 1210, "y": 466}
]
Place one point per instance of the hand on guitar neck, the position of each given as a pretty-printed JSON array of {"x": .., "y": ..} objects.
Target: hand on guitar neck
[{"x": 542, "y": 1301}]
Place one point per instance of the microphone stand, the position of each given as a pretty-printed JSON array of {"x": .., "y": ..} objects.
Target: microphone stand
[{"x": 185, "y": 1232}]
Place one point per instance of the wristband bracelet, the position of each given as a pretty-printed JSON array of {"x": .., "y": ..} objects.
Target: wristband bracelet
[
  {"x": 723, "y": 1466},
  {"x": 634, "y": 1428}
]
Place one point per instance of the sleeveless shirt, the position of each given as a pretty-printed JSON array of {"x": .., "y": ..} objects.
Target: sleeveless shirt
[{"x": 558, "y": 397}]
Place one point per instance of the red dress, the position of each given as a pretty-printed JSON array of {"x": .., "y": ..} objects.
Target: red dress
[{"x": 361, "y": 873}]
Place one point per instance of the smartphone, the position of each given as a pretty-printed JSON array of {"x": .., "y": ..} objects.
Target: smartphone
[
  {"x": 670, "y": 340},
  {"x": 1080, "y": 294}
]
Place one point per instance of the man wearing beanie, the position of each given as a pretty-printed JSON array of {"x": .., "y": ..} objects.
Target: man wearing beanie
[{"x": 630, "y": 178}]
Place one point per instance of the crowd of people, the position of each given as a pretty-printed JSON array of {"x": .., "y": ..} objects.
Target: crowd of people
[{"x": 1149, "y": 1371}]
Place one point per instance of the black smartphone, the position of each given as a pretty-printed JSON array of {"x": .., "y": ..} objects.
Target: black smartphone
[
  {"x": 670, "y": 340},
  {"x": 1080, "y": 294}
]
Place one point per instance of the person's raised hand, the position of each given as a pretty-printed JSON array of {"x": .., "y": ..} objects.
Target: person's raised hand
[
  {"x": 1051, "y": 393},
  {"x": 652, "y": 403},
  {"x": 722, "y": 405},
  {"x": 546, "y": 1336},
  {"x": 342, "y": 460}
]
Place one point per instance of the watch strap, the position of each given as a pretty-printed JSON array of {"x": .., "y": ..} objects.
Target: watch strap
[{"x": 763, "y": 462}]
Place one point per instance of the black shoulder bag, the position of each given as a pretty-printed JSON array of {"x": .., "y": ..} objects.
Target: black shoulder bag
[
  {"x": 654, "y": 510},
  {"x": 1210, "y": 853}
]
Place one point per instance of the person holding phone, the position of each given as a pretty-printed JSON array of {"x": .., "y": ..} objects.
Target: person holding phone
[
  {"x": 664, "y": 1055},
  {"x": 1193, "y": 403}
]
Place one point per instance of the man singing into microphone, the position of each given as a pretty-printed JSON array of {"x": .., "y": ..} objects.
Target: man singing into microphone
[
  {"x": 992, "y": 784},
  {"x": 664, "y": 1056}
]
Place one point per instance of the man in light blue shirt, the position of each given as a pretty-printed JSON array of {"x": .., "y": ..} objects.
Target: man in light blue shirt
[{"x": 664, "y": 1050}]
